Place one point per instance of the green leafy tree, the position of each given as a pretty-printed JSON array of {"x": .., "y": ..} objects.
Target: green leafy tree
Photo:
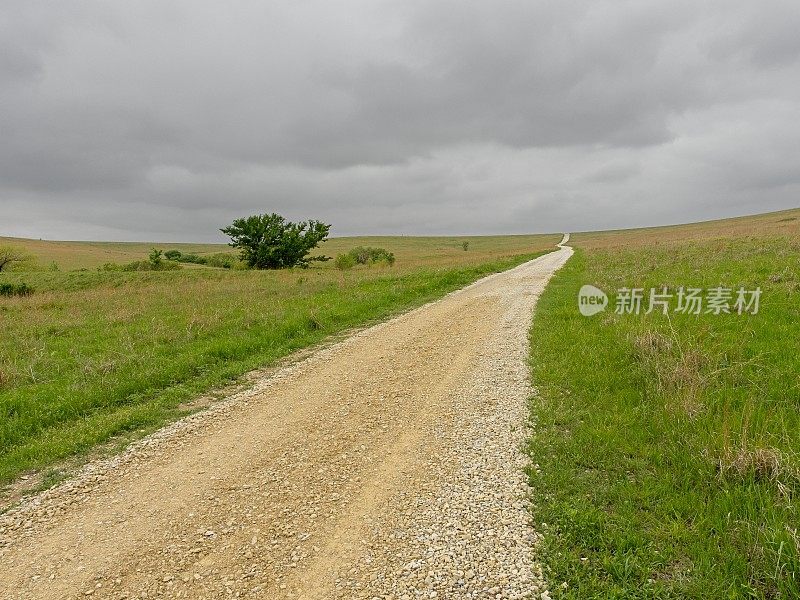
[{"x": 272, "y": 242}]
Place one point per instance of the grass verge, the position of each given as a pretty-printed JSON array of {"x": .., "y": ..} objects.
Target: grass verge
[{"x": 666, "y": 448}]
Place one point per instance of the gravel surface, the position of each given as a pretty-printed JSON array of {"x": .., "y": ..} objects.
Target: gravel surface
[{"x": 386, "y": 466}]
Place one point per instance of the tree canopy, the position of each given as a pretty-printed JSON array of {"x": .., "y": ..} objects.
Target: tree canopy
[{"x": 271, "y": 242}]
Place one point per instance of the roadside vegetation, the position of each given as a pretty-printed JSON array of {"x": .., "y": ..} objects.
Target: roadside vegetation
[
  {"x": 94, "y": 354},
  {"x": 666, "y": 452}
]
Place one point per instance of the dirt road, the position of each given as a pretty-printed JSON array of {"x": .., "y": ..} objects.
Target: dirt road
[{"x": 386, "y": 466}]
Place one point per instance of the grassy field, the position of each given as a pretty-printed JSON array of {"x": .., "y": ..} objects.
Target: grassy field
[
  {"x": 94, "y": 354},
  {"x": 667, "y": 446},
  {"x": 411, "y": 252},
  {"x": 68, "y": 256}
]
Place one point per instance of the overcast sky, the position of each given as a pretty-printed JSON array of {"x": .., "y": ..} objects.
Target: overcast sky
[{"x": 166, "y": 119}]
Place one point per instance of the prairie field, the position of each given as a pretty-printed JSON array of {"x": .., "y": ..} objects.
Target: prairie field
[
  {"x": 94, "y": 355},
  {"x": 411, "y": 251},
  {"x": 666, "y": 454}
]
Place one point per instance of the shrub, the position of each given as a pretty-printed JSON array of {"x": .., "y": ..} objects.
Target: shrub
[
  {"x": 156, "y": 258},
  {"x": 465, "y": 246},
  {"x": 361, "y": 254},
  {"x": 172, "y": 254},
  {"x": 366, "y": 254},
  {"x": 222, "y": 260},
  {"x": 15, "y": 289},
  {"x": 192, "y": 258},
  {"x": 344, "y": 262}
]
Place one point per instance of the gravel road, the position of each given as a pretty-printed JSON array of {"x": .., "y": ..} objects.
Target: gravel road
[{"x": 385, "y": 466}]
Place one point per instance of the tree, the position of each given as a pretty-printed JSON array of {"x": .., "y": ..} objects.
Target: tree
[
  {"x": 272, "y": 242},
  {"x": 10, "y": 255}
]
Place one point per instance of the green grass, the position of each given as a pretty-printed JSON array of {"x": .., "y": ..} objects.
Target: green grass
[
  {"x": 92, "y": 355},
  {"x": 667, "y": 448}
]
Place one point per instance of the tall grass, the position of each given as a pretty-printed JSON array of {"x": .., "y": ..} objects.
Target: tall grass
[{"x": 667, "y": 447}]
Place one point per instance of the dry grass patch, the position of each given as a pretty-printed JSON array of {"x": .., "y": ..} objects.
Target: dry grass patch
[
  {"x": 763, "y": 464},
  {"x": 678, "y": 373}
]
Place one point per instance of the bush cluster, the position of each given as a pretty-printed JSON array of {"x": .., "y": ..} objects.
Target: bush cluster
[
  {"x": 344, "y": 262},
  {"x": 190, "y": 258},
  {"x": 169, "y": 261},
  {"x": 222, "y": 260},
  {"x": 363, "y": 255},
  {"x": 15, "y": 289}
]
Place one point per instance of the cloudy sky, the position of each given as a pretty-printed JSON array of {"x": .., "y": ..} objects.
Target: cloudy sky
[{"x": 165, "y": 119}]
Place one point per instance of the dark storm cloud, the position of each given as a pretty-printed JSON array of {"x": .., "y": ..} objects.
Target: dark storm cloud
[{"x": 165, "y": 119}]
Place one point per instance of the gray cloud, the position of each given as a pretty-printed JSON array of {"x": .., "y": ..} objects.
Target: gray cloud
[{"x": 164, "y": 120}]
